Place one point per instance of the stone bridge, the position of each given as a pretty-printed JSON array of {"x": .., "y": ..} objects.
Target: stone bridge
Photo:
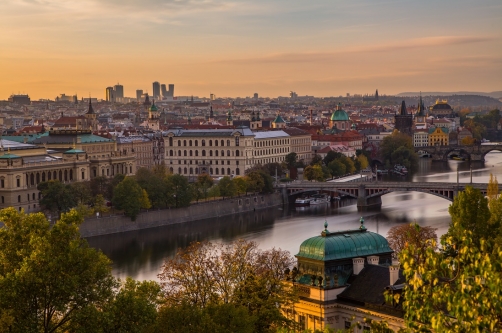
[
  {"x": 475, "y": 153},
  {"x": 369, "y": 194}
]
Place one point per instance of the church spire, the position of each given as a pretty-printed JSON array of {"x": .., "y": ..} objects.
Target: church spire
[
  {"x": 402, "y": 111},
  {"x": 91, "y": 110}
]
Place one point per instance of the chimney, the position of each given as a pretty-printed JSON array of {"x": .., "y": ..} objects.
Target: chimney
[
  {"x": 373, "y": 260},
  {"x": 394, "y": 272},
  {"x": 358, "y": 265},
  {"x": 79, "y": 139}
]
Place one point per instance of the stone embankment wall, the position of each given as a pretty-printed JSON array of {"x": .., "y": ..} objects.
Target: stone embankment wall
[{"x": 156, "y": 218}]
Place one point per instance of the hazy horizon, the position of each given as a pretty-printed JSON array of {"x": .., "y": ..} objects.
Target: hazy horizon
[{"x": 237, "y": 48}]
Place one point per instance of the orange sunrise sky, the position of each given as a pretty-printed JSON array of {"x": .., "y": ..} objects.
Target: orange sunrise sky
[{"x": 237, "y": 48}]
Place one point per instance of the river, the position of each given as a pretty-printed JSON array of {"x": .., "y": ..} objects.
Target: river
[{"x": 140, "y": 254}]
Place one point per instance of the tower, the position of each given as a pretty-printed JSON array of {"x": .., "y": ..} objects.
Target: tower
[
  {"x": 90, "y": 116},
  {"x": 403, "y": 120},
  {"x": 110, "y": 95},
  {"x": 156, "y": 90},
  {"x": 340, "y": 119},
  {"x": 211, "y": 114},
  {"x": 230, "y": 121},
  {"x": 119, "y": 91},
  {"x": 278, "y": 122},
  {"x": 420, "y": 115},
  {"x": 153, "y": 117},
  {"x": 376, "y": 95},
  {"x": 163, "y": 90}
]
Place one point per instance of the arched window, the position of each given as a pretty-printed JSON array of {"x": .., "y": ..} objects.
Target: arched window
[
  {"x": 196, "y": 170},
  {"x": 222, "y": 171},
  {"x": 184, "y": 153},
  {"x": 210, "y": 153},
  {"x": 210, "y": 142},
  {"x": 191, "y": 170},
  {"x": 216, "y": 170},
  {"x": 216, "y": 152},
  {"x": 228, "y": 143},
  {"x": 237, "y": 141},
  {"x": 228, "y": 152},
  {"x": 196, "y": 143},
  {"x": 33, "y": 196},
  {"x": 236, "y": 153},
  {"x": 32, "y": 179},
  {"x": 185, "y": 171},
  {"x": 191, "y": 153},
  {"x": 171, "y": 153},
  {"x": 179, "y": 170},
  {"x": 179, "y": 152},
  {"x": 216, "y": 143},
  {"x": 203, "y": 143},
  {"x": 171, "y": 170},
  {"x": 190, "y": 143},
  {"x": 43, "y": 176},
  {"x": 222, "y": 153},
  {"x": 228, "y": 171},
  {"x": 170, "y": 142},
  {"x": 222, "y": 143},
  {"x": 203, "y": 153},
  {"x": 18, "y": 198},
  {"x": 196, "y": 153},
  {"x": 210, "y": 171},
  {"x": 184, "y": 143},
  {"x": 60, "y": 175},
  {"x": 237, "y": 172},
  {"x": 179, "y": 143}
]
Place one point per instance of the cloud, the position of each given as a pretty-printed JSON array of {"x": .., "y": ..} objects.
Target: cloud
[{"x": 425, "y": 42}]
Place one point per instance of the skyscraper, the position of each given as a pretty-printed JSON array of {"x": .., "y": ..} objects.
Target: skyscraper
[
  {"x": 156, "y": 90},
  {"x": 119, "y": 91},
  {"x": 110, "y": 94},
  {"x": 163, "y": 90},
  {"x": 170, "y": 93},
  {"x": 139, "y": 93}
]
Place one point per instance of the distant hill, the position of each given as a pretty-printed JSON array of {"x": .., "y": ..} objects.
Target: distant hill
[{"x": 493, "y": 94}]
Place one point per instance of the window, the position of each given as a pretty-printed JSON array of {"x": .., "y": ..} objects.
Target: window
[
  {"x": 203, "y": 143},
  {"x": 237, "y": 141},
  {"x": 222, "y": 153},
  {"x": 216, "y": 170},
  {"x": 33, "y": 196},
  {"x": 170, "y": 142},
  {"x": 216, "y": 152},
  {"x": 190, "y": 143},
  {"x": 203, "y": 153},
  {"x": 237, "y": 172},
  {"x": 179, "y": 152},
  {"x": 210, "y": 142},
  {"x": 222, "y": 143},
  {"x": 222, "y": 171},
  {"x": 2, "y": 183},
  {"x": 3, "y": 199},
  {"x": 18, "y": 198},
  {"x": 83, "y": 175},
  {"x": 216, "y": 143},
  {"x": 171, "y": 153},
  {"x": 210, "y": 153},
  {"x": 228, "y": 143},
  {"x": 228, "y": 171},
  {"x": 236, "y": 153},
  {"x": 191, "y": 153},
  {"x": 18, "y": 182},
  {"x": 184, "y": 143},
  {"x": 228, "y": 152},
  {"x": 196, "y": 143},
  {"x": 185, "y": 171},
  {"x": 184, "y": 153},
  {"x": 196, "y": 153}
]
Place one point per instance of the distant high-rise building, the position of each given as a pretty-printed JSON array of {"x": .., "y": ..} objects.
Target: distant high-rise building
[
  {"x": 212, "y": 97},
  {"x": 163, "y": 90},
  {"x": 255, "y": 96},
  {"x": 119, "y": 91},
  {"x": 139, "y": 93},
  {"x": 170, "y": 93},
  {"x": 110, "y": 94},
  {"x": 20, "y": 99},
  {"x": 156, "y": 90}
]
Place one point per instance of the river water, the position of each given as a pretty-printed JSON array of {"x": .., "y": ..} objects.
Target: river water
[{"x": 140, "y": 254}]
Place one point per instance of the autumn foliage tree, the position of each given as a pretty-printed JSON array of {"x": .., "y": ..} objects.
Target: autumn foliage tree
[{"x": 404, "y": 235}]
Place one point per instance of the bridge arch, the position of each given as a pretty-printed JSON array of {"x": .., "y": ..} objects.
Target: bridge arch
[
  {"x": 489, "y": 150},
  {"x": 452, "y": 149},
  {"x": 444, "y": 194}
]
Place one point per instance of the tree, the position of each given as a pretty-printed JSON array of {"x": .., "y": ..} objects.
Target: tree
[
  {"x": 331, "y": 156},
  {"x": 314, "y": 173},
  {"x": 81, "y": 192},
  {"x": 144, "y": 200},
  {"x": 271, "y": 169},
  {"x": 468, "y": 141},
  {"x": 240, "y": 185},
  {"x": 180, "y": 189},
  {"x": 406, "y": 155},
  {"x": 337, "y": 168},
  {"x": 255, "y": 182},
  {"x": 100, "y": 204},
  {"x": 227, "y": 187},
  {"x": 240, "y": 274},
  {"x": 205, "y": 182},
  {"x": 291, "y": 160},
  {"x": 316, "y": 160},
  {"x": 56, "y": 197},
  {"x": 349, "y": 164},
  {"x": 128, "y": 196},
  {"x": 363, "y": 161},
  {"x": 404, "y": 235},
  {"x": 214, "y": 191},
  {"x": 458, "y": 289},
  {"x": 99, "y": 185},
  {"x": 48, "y": 275}
]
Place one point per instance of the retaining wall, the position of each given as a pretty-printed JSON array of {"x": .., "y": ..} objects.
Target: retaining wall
[{"x": 156, "y": 218}]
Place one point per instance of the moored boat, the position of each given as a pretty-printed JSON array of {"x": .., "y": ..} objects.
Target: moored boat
[
  {"x": 318, "y": 199},
  {"x": 302, "y": 202}
]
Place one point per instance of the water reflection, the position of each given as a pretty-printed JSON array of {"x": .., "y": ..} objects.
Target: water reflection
[{"x": 140, "y": 254}]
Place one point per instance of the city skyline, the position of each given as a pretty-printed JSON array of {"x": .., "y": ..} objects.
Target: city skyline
[{"x": 322, "y": 48}]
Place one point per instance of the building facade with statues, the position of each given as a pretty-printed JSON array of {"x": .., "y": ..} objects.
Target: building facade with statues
[{"x": 341, "y": 278}]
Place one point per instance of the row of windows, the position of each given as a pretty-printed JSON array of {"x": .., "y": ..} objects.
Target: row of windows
[
  {"x": 270, "y": 151},
  {"x": 203, "y": 162},
  {"x": 203, "y": 153},
  {"x": 212, "y": 171},
  {"x": 270, "y": 143},
  {"x": 203, "y": 142}
]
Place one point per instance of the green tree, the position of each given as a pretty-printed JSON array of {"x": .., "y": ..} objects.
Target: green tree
[
  {"x": 397, "y": 148},
  {"x": 145, "y": 201},
  {"x": 331, "y": 156},
  {"x": 227, "y": 187},
  {"x": 240, "y": 185},
  {"x": 81, "y": 192},
  {"x": 363, "y": 161},
  {"x": 204, "y": 181},
  {"x": 48, "y": 275},
  {"x": 128, "y": 196},
  {"x": 100, "y": 204},
  {"x": 349, "y": 164},
  {"x": 314, "y": 173},
  {"x": 316, "y": 160},
  {"x": 337, "y": 168},
  {"x": 460, "y": 288},
  {"x": 56, "y": 197},
  {"x": 214, "y": 191},
  {"x": 100, "y": 185},
  {"x": 180, "y": 189},
  {"x": 255, "y": 182},
  {"x": 291, "y": 160}
]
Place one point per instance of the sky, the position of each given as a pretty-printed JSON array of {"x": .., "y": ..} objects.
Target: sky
[{"x": 240, "y": 47}]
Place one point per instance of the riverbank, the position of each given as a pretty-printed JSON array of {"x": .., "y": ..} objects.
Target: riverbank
[{"x": 155, "y": 218}]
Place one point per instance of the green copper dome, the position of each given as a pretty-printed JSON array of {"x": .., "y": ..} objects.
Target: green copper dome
[
  {"x": 344, "y": 245},
  {"x": 339, "y": 115},
  {"x": 9, "y": 156},
  {"x": 279, "y": 119}
]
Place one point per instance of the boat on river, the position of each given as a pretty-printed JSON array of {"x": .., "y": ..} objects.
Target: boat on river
[
  {"x": 302, "y": 202},
  {"x": 319, "y": 199}
]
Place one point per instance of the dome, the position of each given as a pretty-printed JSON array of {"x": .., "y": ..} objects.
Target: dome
[
  {"x": 279, "y": 119},
  {"x": 344, "y": 245},
  {"x": 339, "y": 115},
  {"x": 9, "y": 156},
  {"x": 154, "y": 107}
]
